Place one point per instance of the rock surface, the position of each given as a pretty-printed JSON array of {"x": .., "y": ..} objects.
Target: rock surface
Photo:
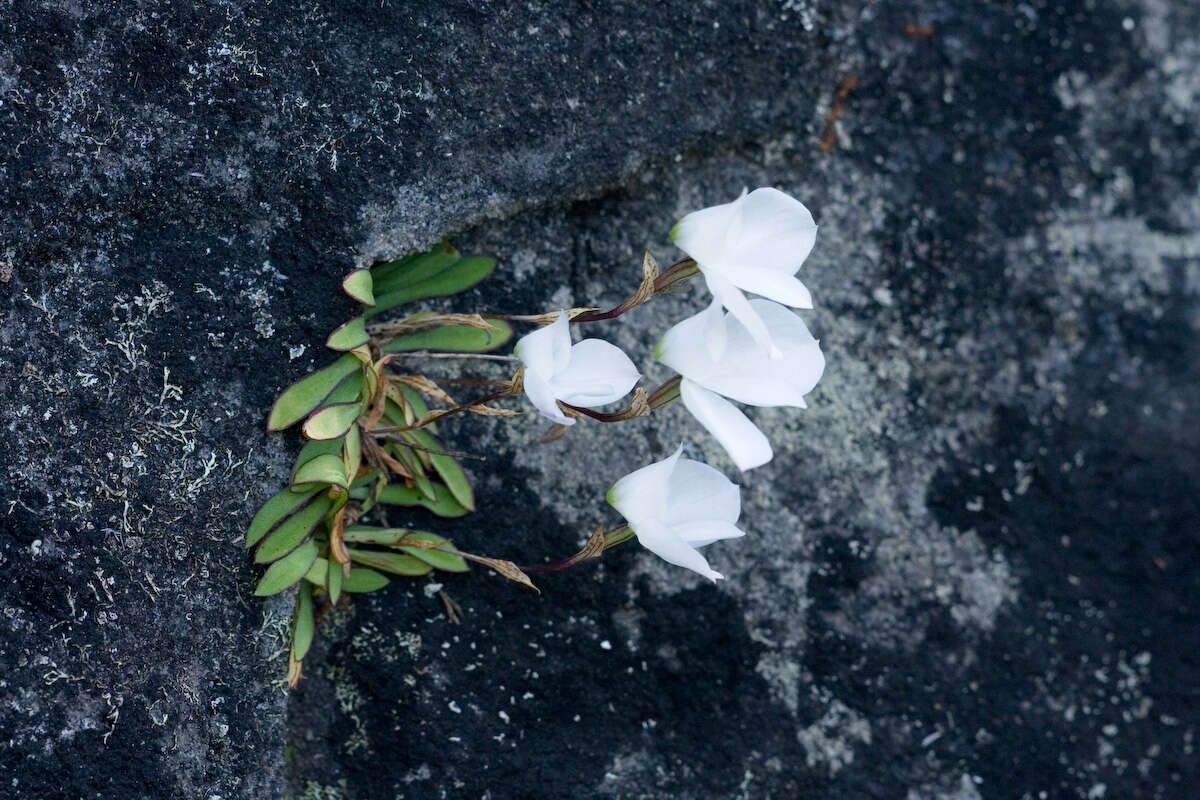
[{"x": 969, "y": 571}]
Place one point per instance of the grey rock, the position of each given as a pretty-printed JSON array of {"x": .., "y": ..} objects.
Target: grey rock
[{"x": 969, "y": 571}]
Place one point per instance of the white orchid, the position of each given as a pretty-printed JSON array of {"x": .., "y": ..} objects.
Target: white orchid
[
  {"x": 754, "y": 244},
  {"x": 716, "y": 355},
  {"x": 589, "y": 373},
  {"x": 677, "y": 505}
]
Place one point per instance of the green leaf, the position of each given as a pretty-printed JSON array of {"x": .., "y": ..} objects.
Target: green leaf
[
  {"x": 293, "y": 530},
  {"x": 302, "y": 622},
  {"x": 362, "y": 580},
  {"x": 385, "y": 270},
  {"x": 456, "y": 338},
  {"x": 348, "y": 335},
  {"x": 369, "y": 534},
  {"x": 273, "y": 511},
  {"x": 332, "y": 421},
  {"x": 347, "y": 391},
  {"x": 318, "y": 572},
  {"x": 437, "y": 558},
  {"x": 412, "y": 461},
  {"x": 417, "y": 402},
  {"x": 396, "y": 563},
  {"x": 419, "y": 268},
  {"x": 446, "y": 466},
  {"x": 443, "y": 504},
  {"x": 286, "y": 571},
  {"x": 323, "y": 470},
  {"x": 352, "y": 452},
  {"x": 312, "y": 449},
  {"x": 360, "y": 285},
  {"x": 334, "y": 581},
  {"x": 306, "y": 394},
  {"x": 459, "y": 276}
]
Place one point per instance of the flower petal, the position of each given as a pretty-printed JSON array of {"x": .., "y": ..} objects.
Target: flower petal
[
  {"x": 777, "y": 233},
  {"x": 742, "y": 440},
  {"x": 773, "y": 285},
  {"x": 692, "y": 347},
  {"x": 731, "y": 298},
  {"x": 705, "y": 234},
  {"x": 598, "y": 373},
  {"x": 698, "y": 494},
  {"x": 541, "y": 394},
  {"x": 702, "y": 534},
  {"x": 748, "y": 375},
  {"x": 641, "y": 496},
  {"x": 670, "y": 547},
  {"x": 546, "y": 350}
]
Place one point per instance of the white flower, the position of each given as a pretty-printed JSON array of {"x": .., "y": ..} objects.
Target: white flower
[
  {"x": 588, "y": 374},
  {"x": 755, "y": 244},
  {"x": 717, "y": 356},
  {"x": 677, "y": 505}
]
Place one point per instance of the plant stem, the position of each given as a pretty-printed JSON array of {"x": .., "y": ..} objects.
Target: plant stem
[{"x": 665, "y": 393}]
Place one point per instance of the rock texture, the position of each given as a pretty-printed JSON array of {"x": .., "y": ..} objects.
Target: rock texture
[{"x": 970, "y": 570}]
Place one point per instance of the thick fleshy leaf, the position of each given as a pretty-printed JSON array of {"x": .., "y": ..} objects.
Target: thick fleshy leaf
[
  {"x": 447, "y": 562},
  {"x": 312, "y": 449},
  {"x": 348, "y": 390},
  {"x": 326, "y": 469},
  {"x": 362, "y": 580},
  {"x": 287, "y": 571},
  {"x": 448, "y": 468},
  {"x": 318, "y": 573},
  {"x": 416, "y": 463},
  {"x": 274, "y": 511},
  {"x": 453, "y": 338},
  {"x": 546, "y": 350},
  {"x": 369, "y": 534},
  {"x": 418, "y": 268},
  {"x": 333, "y": 421},
  {"x": 348, "y": 335},
  {"x": 742, "y": 440},
  {"x": 299, "y": 399},
  {"x": 459, "y": 276},
  {"x": 443, "y": 504},
  {"x": 395, "y": 563},
  {"x": 360, "y": 285},
  {"x": 352, "y": 452},
  {"x": 386, "y": 270},
  {"x": 414, "y": 401},
  {"x": 302, "y": 622},
  {"x": 294, "y": 530},
  {"x": 598, "y": 373},
  {"x": 334, "y": 581}
]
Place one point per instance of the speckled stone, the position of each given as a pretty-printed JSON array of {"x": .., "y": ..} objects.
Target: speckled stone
[{"x": 970, "y": 571}]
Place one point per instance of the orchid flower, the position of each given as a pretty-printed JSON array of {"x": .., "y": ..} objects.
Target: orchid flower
[
  {"x": 716, "y": 355},
  {"x": 589, "y": 373},
  {"x": 677, "y": 505},
  {"x": 754, "y": 244}
]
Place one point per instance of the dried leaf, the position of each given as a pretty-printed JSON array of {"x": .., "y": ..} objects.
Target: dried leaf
[
  {"x": 428, "y": 548},
  {"x": 424, "y": 384},
  {"x": 506, "y": 568}
]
